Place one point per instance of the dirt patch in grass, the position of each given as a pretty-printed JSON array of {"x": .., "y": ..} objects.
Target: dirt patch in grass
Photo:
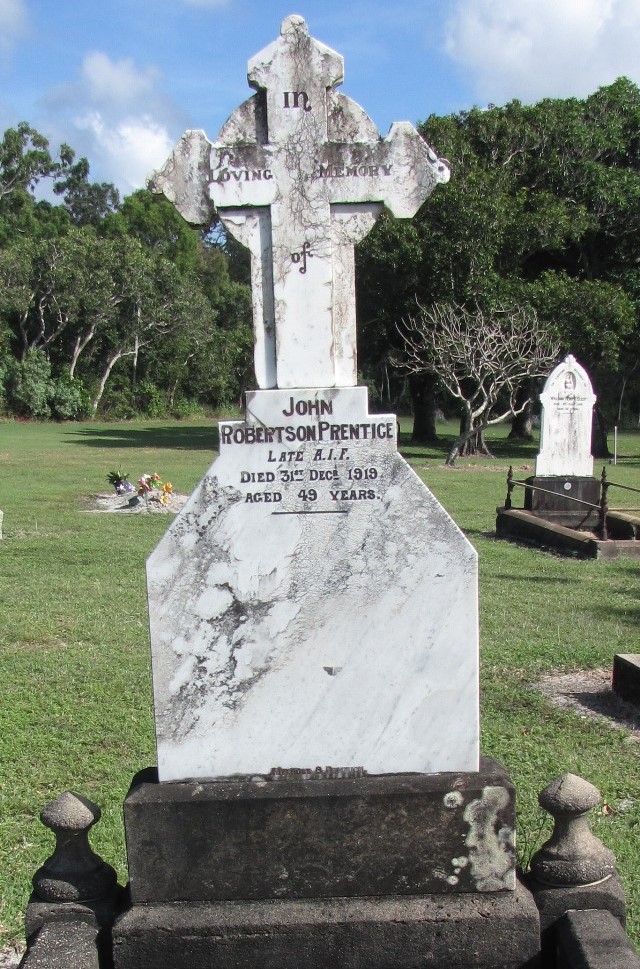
[
  {"x": 10, "y": 956},
  {"x": 589, "y": 693},
  {"x": 126, "y": 505}
]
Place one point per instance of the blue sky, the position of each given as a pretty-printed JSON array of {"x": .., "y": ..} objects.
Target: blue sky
[{"x": 120, "y": 80}]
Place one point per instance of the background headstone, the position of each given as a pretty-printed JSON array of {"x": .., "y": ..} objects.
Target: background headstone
[{"x": 565, "y": 436}]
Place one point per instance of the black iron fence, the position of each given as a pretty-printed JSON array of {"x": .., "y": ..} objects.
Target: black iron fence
[{"x": 602, "y": 507}]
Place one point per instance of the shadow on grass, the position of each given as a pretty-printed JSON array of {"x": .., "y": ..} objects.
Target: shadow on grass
[
  {"x": 548, "y": 579},
  {"x": 498, "y": 447},
  {"x": 188, "y": 438}
]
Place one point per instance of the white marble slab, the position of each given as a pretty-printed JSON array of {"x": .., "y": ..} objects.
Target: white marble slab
[
  {"x": 567, "y": 409},
  {"x": 313, "y": 604}
]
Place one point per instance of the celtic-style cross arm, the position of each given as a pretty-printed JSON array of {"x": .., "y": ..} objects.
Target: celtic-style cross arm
[{"x": 299, "y": 174}]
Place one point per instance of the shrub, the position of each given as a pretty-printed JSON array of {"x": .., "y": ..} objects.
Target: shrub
[
  {"x": 28, "y": 385},
  {"x": 150, "y": 401},
  {"x": 69, "y": 399}
]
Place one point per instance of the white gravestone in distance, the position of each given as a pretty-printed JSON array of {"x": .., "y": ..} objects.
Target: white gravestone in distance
[
  {"x": 313, "y": 605},
  {"x": 565, "y": 434}
]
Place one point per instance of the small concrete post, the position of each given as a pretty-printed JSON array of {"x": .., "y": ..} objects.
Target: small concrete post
[
  {"x": 573, "y": 870},
  {"x": 73, "y": 873},
  {"x": 573, "y": 855},
  {"x": 75, "y": 894}
]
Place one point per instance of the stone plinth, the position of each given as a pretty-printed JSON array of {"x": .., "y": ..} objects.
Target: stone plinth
[
  {"x": 405, "y": 834},
  {"x": 492, "y": 931},
  {"x": 626, "y": 676},
  {"x": 559, "y": 506}
]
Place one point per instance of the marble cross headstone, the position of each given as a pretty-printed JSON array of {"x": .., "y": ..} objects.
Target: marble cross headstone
[
  {"x": 299, "y": 174},
  {"x": 313, "y": 606},
  {"x": 565, "y": 435}
]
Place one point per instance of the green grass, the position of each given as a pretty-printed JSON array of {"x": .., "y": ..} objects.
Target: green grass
[{"x": 75, "y": 693}]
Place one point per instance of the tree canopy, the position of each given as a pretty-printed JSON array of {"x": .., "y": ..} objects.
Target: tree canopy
[
  {"x": 542, "y": 211},
  {"x": 121, "y": 306},
  {"x": 139, "y": 311}
]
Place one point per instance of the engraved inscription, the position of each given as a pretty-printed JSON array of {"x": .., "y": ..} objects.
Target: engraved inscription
[
  {"x": 297, "y": 99},
  {"x": 352, "y": 171},
  {"x": 302, "y": 256},
  {"x": 241, "y": 175}
]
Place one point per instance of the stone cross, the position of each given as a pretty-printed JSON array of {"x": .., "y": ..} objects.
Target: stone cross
[{"x": 299, "y": 174}]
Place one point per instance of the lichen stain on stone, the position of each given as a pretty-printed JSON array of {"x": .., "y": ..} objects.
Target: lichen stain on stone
[{"x": 491, "y": 845}]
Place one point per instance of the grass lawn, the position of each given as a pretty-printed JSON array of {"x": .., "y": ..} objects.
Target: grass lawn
[{"x": 75, "y": 692}]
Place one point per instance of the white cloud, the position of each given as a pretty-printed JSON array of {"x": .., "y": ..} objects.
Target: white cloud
[
  {"x": 532, "y": 49},
  {"x": 118, "y": 81},
  {"x": 13, "y": 23},
  {"x": 128, "y": 149},
  {"x": 116, "y": 114}
]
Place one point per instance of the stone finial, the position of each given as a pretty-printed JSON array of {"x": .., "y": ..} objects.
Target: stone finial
[
  {"x": 572, "y": 855},
  {"x": 73, "y": 873}
]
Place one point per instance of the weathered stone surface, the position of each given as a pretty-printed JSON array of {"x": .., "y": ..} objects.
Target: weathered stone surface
[
  {"x": 626, "y": 676},
  {"x": 594, "y": 940},
  {"x": 553, "y": 901},
  {"x": 63, "y": 944},
  {"x": 572, "y": 855},
  {"x": 493, "y": 931},
  {"x": 296, "y": 838},
  {"x": 565, "y": 435},
  {"x": 73, "y": 872},
  {"x": 299, "y": 174},
  {"x": 313, "y": 604}
]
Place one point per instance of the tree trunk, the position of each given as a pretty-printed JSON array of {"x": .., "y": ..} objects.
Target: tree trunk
[
  {"x": 470, "y": 441},
  {"x": 423, "y": 400},
  {"x": 599, "y": 431},
  {"x": 105, "y": 375},
  {"x": 80, "y": 345},
  {"x": 522, "y": 425}
]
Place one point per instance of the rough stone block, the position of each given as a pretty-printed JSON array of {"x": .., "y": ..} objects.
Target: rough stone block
[
  {"x": 594, "y": 940},
  {"x": 626, "y": 676},
  {"x": 63, "y": 944},
  {"x": 492, "y": 931},
  {"x": 554, "y": 901},
  {"x": 380, "y": 835}
]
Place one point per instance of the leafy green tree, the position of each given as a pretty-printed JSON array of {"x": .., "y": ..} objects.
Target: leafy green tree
[
  {"x": 86, "y": 202},
  {"x": 542, "y": 211}
]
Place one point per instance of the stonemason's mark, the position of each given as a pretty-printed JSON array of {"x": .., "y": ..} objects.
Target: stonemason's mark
[{"x": 311, "y": 774}]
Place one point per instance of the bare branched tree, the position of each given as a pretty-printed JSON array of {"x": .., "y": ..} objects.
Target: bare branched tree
[{"x": 481, "y": 359}]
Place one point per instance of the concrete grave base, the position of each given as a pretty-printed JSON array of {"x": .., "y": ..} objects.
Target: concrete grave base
[
  {"x": 291, "y": 838},
  {"x": 556, "y": 501},
  {"x": 490, "y": 930},
  {"x": 294, "y": 870}
]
